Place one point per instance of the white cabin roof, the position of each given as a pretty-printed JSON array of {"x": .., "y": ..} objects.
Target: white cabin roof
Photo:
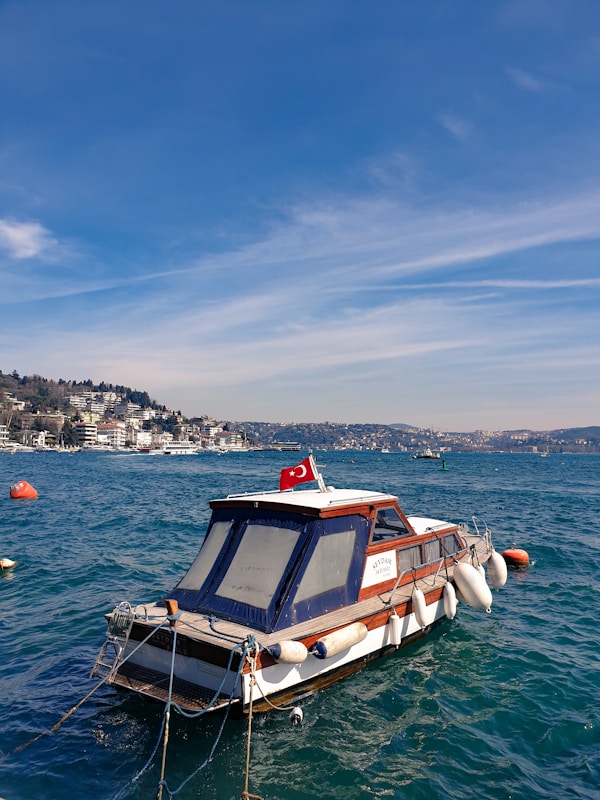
[
  {"x": 314, "y": 498},
  {"x": 422, "y": 525}
]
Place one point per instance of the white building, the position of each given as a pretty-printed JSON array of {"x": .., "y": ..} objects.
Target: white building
[
  {"x": 112, "y": 433},
  {"x": 87, "y": 433},
  {"x": 77, "y": 401},
  {"x": 10, "y": 401},
  {"x": 126, "y": 409},
  {"x": 140, "y": 438},
  {"x": 96, "y": 407},
  {"x": 211, "y": 429}
]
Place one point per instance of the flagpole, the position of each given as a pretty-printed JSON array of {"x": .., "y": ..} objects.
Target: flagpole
[{"x": 320, "y": 481}]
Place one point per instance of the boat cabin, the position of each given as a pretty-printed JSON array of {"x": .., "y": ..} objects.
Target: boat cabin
[{"x": 273, "y": 560}]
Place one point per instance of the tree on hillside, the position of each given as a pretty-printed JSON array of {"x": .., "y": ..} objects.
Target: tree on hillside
[{"x": 68, "y": 435}]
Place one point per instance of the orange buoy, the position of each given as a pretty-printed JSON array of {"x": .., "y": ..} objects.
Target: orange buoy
[
  {"x": 23, "y": 490},
  {"x": 515, "y": 557}
]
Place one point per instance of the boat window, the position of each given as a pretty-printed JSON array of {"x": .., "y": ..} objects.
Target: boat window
[
  {"x": 329, "y": 565},
  {"x": 206, "y": 558},
  {"x": 451, "y": 544},
  {"x": 388, "y": 524},
  {"x": 433, "y": 551},
  {"x": 258, "y": 565},
  {"x": 409, "y": 557}
]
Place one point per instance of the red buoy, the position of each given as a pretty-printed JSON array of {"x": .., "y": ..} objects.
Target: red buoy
[
  {"x": 23, "y": 490},
  {"x": 515, "y": 557}
]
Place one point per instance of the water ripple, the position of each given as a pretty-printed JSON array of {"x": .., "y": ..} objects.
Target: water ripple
[{"x": 493, "y": 706}]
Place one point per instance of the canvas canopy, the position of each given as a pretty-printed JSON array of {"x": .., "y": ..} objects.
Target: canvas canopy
[{"x": 271, "y": 569}]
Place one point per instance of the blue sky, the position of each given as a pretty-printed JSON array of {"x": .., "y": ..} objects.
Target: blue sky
[{"x": 307, "y": 211}]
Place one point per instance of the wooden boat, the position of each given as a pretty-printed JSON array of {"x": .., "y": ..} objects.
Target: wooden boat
[{"x": 291, "y": 591}]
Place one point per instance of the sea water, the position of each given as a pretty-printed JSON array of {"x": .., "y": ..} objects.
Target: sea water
[{"x": 500, "y": 705}]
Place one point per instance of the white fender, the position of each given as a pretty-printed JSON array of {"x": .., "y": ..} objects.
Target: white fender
[
  {"x": 342, "y": 639},
  {"x": 450, "y": 601},
  {"x": 419, "y": 606},
  {"x": 472, "y": 586},
  {"x": 394, "y": 632},
  {"x": 288, "y": 652},
  {"x": 497, "y": 570}
]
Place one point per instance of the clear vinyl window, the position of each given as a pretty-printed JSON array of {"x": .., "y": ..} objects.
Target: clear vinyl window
[
  {"x": 258, "y": 565},
  {"x": 209, "y": 552},
  {"x": 329, "y": 565},
  {"x": 388, "y": 524},
  {"x": 433, "y": 551},
  {"x": 409, "y": 557}
]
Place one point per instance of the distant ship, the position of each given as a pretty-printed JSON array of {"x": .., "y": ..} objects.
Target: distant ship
[{"x": 427, "y": 453}]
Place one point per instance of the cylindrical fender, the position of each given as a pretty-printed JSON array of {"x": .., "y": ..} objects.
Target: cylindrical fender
[
  {"x": 419, "y": 606},
  {"x": 394, "y": 629},
  {"x": 288, "y": 652},
  {"x": 338, "y": 641},
  {"x": 472, "y": 586},
  {"x": 497, "y": 570},
  {"x": 450, "y": 601}
]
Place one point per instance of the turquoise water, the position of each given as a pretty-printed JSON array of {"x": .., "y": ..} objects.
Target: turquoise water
[{"x": 501, "y": 705}]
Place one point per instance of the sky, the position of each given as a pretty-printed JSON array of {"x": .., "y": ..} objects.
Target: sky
[{"x": 304, "y": 211}]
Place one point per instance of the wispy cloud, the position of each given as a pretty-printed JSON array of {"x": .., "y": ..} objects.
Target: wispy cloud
[
  {"x": 502, "y": 283},
  {"x": 525, "y": 80},
  {"x": 455, "y": 125},
  {"x": 22, "y": 240},
  {"x": 354, "y": 290}
]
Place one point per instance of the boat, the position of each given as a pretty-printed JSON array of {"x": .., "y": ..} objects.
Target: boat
[
  {"x": 292, "y": 590},
  {"x": 427, "y": 453},
  {"x": 182, "y": 448},
  {"x": 16, "y": 447}
]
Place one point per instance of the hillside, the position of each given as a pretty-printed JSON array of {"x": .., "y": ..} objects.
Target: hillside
[
  {"x": 39, "y": 396},
  {"x": 44, "y": 394}
]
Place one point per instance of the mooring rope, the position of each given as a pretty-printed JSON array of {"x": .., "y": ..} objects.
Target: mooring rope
[
  {"x": 252, "y": 661},
  {"x": 274, "y": 706},
  {"x": 218, "y": 691},
  {"x": 64, "y": 718},
  {"x": 167, "y": 715},
  {"x": 249, "y": 653},
  {"x": 162, "y": 785},
  {"x": 78, "y": 705}
]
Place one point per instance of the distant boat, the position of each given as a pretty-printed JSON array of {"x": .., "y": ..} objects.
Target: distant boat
[
  {"x": 427, "y": 453},
  {"x": 16, "y": 447},
  {"x": 183, "y": 448}
]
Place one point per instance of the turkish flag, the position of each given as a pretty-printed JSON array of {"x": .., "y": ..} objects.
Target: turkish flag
[{"x": 302, "y": 472}]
